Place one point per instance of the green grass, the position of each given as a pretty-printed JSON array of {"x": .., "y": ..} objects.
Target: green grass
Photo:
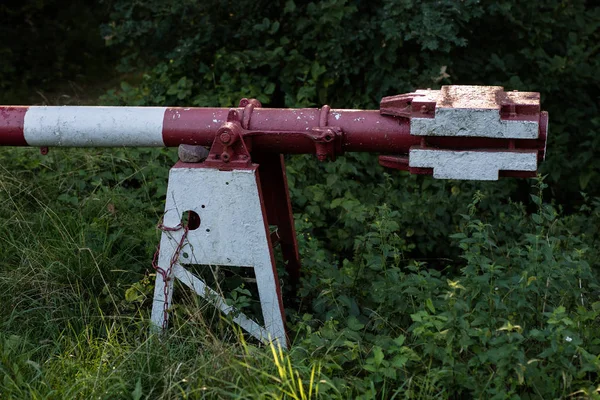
[
  {"x": 515, "y": 316},
  {"x": 68, "y": 330}
]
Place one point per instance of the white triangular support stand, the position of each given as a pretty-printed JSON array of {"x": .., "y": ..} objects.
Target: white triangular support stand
[{"x": 233, "y": 231}]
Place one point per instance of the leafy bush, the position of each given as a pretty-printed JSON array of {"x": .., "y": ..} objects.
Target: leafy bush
[
  {"x": 412, "y": 287},
  {"x": 517, "y": 316},
  {"x": 350, "y": 54},
  {"x": 512, "y": 320}
]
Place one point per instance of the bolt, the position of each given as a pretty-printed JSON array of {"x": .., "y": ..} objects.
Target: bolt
[
  {"x": 225, "y": 157},
  {"x": 225, "y": 137},
  {"x": 423, "y": 109}
]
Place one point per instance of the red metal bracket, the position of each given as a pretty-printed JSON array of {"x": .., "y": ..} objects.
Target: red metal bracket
[
  {"x": 233, "y": 142},
  {"x": 229, "y": 148},
  {"x": 327, "y": 141},
  {"x": 399, "y": 105}
]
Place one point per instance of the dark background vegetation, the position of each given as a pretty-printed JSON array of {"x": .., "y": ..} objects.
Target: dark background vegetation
[{"x": 420, "y": 287}]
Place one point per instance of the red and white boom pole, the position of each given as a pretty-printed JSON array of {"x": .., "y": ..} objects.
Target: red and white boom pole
[
  {"x": 234, "y": 197},
  {"x": 419, "y": 131}
]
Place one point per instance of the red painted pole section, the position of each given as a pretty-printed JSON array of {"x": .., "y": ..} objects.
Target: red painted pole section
[
  {"x": 11, "y": 126},
  {"x": 364, "y": 130}
]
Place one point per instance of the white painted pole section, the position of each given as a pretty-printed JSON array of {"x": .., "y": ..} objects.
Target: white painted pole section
[
  {"x": 94, "y": 126},
  {"x": 472, "y": 165}
]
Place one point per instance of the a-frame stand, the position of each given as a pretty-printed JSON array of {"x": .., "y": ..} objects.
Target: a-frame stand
[{"x": 229, "y": 217}]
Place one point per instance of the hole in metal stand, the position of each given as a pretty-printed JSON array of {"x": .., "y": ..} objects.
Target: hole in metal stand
[{"x": 190, "y": 219}]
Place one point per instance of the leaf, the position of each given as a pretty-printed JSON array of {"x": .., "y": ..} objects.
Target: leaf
[
  {"x": 290, "y": 6},
  {"x": 399, "y": 361},
  {"x": 132, "y": 294},
  {"x": 354, "y": 324},
  {"x": 429, "y": 305},
  {"x": 317, "y": 70},
  {"x": 454, "y": 284},
  {"x": 399, "y": 341},
  {"x": 584, "y": 179},
  {"x": 510, "y": 327},
  {"x": 331, "y": 179},
  {"x": 269, "y": 89},
  {"x": 336, "y": 202},
  {"x": 418, "y": 316},
  {"x": 137, "y": 392},
  {"x": 536, "y": 199},
  {"x": 377, "y": 355},
  {"x": 126, "y": 87}
]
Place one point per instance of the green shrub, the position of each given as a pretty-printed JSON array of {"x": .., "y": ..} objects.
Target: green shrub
[
  {"x": 517, "y": 319},
  {"x": 412, "y": 287},
  {"x": 350, "y": 54}
]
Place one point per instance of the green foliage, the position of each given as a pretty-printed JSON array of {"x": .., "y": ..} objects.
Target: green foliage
[
  {"x": 413, "y": 288},
  {"x": 350, "y": 54},
  {"x": 516, "y": 319},
  {"x": 45, "y": 42}
]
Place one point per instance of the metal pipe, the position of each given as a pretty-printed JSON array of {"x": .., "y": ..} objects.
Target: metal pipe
[
  {"x": 82, "y": 126},
  {"x": 76, "y": 126}
]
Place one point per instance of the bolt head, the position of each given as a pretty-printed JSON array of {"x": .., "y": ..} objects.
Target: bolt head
[{"x": 225, "y": 137}]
